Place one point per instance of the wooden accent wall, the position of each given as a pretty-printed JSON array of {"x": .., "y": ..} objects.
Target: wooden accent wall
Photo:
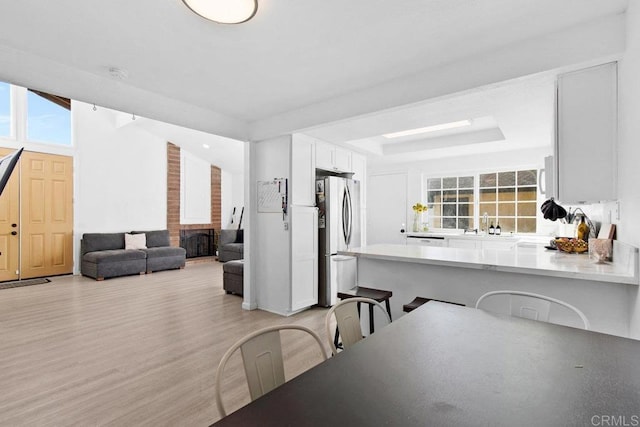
[{"x": 173, "y": 197}]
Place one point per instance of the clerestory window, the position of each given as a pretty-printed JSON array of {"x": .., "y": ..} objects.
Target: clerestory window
[
  {"x": 48, "y": 118},
  {"x": 5, "y": 110},
  {"x": 28, "y": 115}
]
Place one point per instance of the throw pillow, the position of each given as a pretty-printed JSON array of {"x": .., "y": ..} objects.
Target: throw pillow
[{"x": 135, "y": 241}]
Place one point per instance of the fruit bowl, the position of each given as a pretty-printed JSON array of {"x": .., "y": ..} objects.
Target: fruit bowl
[{"x": 572, "y": 245}]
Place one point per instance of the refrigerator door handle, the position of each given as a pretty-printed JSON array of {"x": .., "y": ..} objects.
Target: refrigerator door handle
[
  {"x": 350, "y": 214},
  {"x": 345, "y": 207}
]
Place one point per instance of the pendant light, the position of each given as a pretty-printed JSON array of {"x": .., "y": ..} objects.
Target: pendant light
[{"x": 224, "y": 11}]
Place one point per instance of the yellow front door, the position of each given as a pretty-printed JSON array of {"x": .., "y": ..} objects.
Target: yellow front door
[
  {"x": 9, "y": 226},
  {"x": 46, "y": 229}
]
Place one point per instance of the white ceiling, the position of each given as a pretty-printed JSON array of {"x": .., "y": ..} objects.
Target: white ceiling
[
  {"x": 294, "y": 54},
  {"x": 513, "y": 115}
]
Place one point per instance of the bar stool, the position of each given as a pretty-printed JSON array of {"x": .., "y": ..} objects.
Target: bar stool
[
  {"x": 374, "y": 294},
  {"x": 418, "y": 301}
]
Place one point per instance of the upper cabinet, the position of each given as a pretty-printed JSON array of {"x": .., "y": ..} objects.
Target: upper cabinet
[
  {"x": 303, "y": 171},
  {"x": 342, "y": 160},
  {"x": 324, "y": 155},
  {"x": 332, "y": 158},
  {"x": 359, "y": 166},
  {"x": 586, "y": 139}
]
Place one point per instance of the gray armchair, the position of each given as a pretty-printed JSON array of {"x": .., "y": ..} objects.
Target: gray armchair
[{"x": 230, "y": 245}]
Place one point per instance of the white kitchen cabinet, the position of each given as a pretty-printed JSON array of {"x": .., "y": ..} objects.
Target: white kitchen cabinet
[
  {"x": 358, "y": 166},
  {"x": 464, "y": 242},
  {"x": 426, "y": 241},
  {"x": 586, "y": 138},
  {"x": 304, "y": 257},
  {"x": 324, "y": 155},
  {"x": 303, "y": 171},
  {"x": 332, "y": 158},
  {"x": 342, "y": 160}
]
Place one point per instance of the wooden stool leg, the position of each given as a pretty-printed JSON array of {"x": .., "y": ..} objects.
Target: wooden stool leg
[{"x": 388, "y": 308}]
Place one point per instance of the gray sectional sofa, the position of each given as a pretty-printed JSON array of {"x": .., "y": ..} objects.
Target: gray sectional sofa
[
  {"x": 230, "y": 245},
  {"x": 103, "y": 255}
]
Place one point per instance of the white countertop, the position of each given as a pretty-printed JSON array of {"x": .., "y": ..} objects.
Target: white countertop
[{"x": 525, "y": 259}]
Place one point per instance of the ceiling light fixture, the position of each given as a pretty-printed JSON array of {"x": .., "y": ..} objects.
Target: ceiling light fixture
[
  {"x": 224, "y": 11},
  {"x": 118, "y": 73},
  {"x": 433, "y": 128},
  {"x": 205, "y": 145}
]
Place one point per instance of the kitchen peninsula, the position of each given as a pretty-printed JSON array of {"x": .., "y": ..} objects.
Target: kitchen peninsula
[{"x": 601, "y": 291}]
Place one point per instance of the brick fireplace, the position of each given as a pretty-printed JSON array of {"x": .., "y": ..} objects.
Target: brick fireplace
[
  {"x": 198, "y": 242},
  {"x": 173, "y": 201}
]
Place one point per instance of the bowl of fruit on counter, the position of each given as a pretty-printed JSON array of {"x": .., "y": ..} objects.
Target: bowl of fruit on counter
[{"x": 569, "y": 245}]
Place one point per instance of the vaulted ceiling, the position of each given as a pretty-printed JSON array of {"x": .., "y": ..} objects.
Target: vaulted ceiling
[{"x": 297, "y": 64}]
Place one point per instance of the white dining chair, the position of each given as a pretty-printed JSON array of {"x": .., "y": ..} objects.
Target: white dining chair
[
  {"x": 262, "y": 359},
  {"x": 347, "y": 316},
  {"x": 530, "y": 306}
]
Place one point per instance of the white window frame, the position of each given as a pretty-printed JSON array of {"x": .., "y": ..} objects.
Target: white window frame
[
  {"x": 18, "y": 127},
  {"x": 477, "y": 216}
]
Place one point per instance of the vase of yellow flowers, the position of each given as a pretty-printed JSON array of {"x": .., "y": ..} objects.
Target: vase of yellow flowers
[{"x": 418, "y": 210}]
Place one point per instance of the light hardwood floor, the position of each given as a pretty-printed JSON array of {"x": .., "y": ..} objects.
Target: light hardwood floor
[{"x": 138, "y": 350}]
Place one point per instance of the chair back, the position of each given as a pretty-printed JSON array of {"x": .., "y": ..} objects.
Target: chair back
[
  {"x": 348, "y": 321},
  {"x": 262, "y": 359},
  {"x": 529, "y": 305}
]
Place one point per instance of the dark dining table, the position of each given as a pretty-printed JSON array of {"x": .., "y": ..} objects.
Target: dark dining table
[{"x": 457, "y": 366}]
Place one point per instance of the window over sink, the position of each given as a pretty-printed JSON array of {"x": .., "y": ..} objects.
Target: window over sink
[{"x": 507, "y": 197}]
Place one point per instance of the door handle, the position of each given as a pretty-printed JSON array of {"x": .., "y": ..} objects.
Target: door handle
[
  {"x": 344, "y": 216},
  {"x": 14, "y": 225},
  {"x": 14, "y": 233},
  {"x": 350, "y": 215}
]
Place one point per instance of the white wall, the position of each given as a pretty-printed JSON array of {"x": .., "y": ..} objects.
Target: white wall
[
  {"x": 195, "y": 189},
  {"x": 120, "y": 175},
  {"x": 271, "y": 255},
  {"x": 629, "y": 146},
  {"x": 232, "y": 196}
]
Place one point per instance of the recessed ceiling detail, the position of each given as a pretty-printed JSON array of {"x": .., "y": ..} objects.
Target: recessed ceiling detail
[
  {"x": 513, "y": 115},
  {"x": 427, "y": 129},
  {"x": 454, "y": 140}
]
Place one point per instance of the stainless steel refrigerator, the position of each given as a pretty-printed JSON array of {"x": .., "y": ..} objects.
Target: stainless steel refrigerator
[{"x": 338, "y": 202}]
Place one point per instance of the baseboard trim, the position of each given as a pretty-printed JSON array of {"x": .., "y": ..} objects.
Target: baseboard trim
[
  {"x": 283, "y": 313},
  {"x": 249, "y": 306}
]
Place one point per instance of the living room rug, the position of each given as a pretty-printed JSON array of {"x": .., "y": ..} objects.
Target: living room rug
[{"x": 27, "y": 282}]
